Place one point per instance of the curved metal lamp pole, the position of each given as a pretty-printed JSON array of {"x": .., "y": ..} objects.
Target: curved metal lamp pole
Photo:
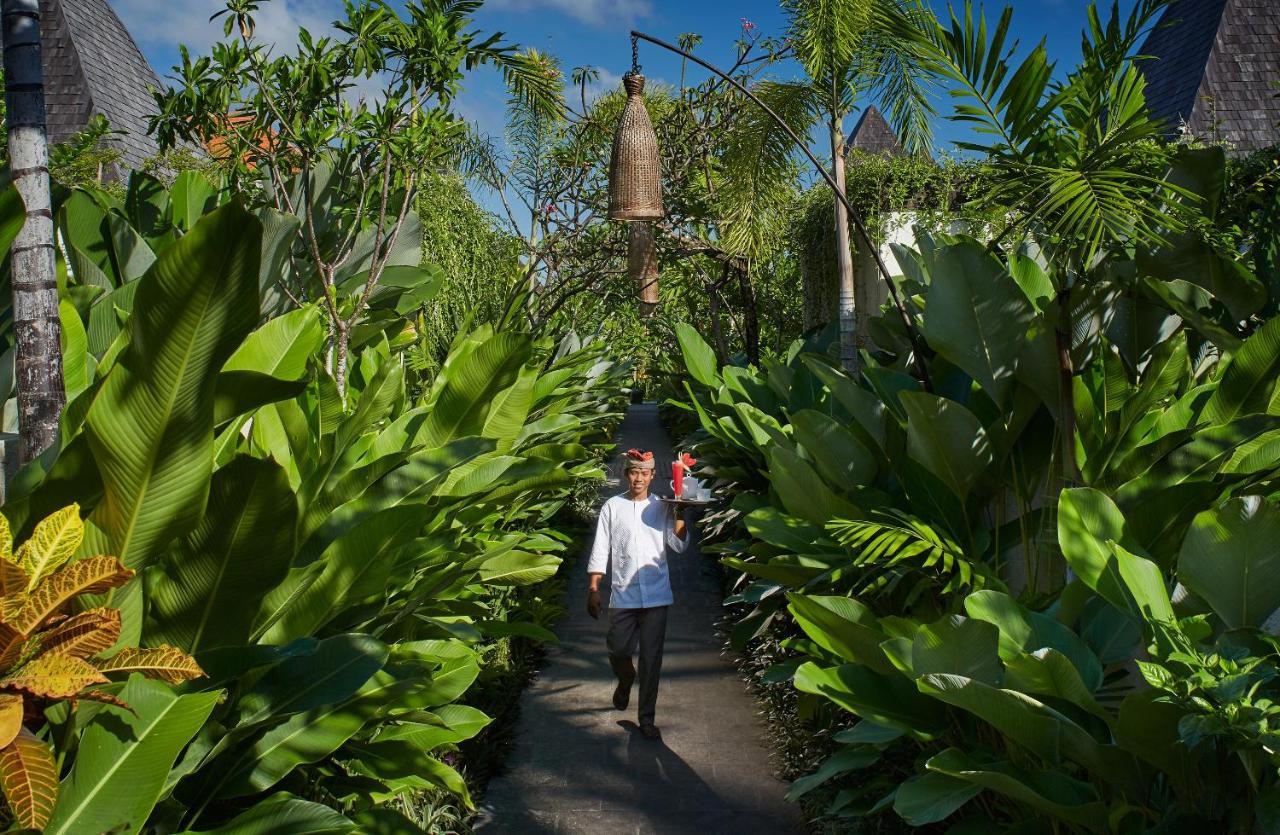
[{"x": 917, "y": 347}]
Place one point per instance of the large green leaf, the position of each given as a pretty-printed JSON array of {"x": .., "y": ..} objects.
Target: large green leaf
[
  {"x": 958, "y": 645},
  {"x": 946, "y": 439},
  {"x": 151, "y": 424},
  {"x": 886, "y": 700},
  {"x": 1052, "y": 793},
  {"x": 865, "y": 408},
  {"x": 466, "y": 386},
  {"x": 1022, "y": 719},
  {"x": 451, "y": 724},
  {"x": 284, "y": 814},
  {"x": 929, "y": 798},
  {"x": 403, "y": 766},
  {"x": 518, "y": 568},
  {"x": 1047, "y": 672},
  {"x": 356, "y": 568},
  {"x": 125, "y": 756},
  {"x": 510, "y": 407},
  {"x": 976, "y": 315},
  {"x": 1031, "y": 724},
  {"x": 1023, "y": 631},
  {"x": 1090, "y": 530},
  {"x": 238, "y": 393},
  {"x": 802, "y": 490},
  {"x": 282, "y": 347},
  {"x": 77, "y": 363},
  {"x": 190, "y": 197},
  {"x": 1231, "y": 558},
  {"x": 208, "y": 592},
  {"x": 334, "y": 671},
  {"x": 842, "y": 626},
  {"x": 1249, "y": 382},
  {"x": 777, "y": 528},
  {"x": 698, "y": 356},
  {"x": 306, "y": 737},
  {"x": 834, "y": 450}
]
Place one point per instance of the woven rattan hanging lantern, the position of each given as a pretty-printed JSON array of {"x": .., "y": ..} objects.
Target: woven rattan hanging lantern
[
  {"x": 642, "y": 265},
  {"x": 635, "y": 171}
]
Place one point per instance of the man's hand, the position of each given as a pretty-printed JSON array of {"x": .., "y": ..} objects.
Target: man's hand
[{"x": 593, "y": 603}]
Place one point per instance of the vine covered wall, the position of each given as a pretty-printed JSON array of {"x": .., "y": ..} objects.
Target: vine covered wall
[{"x": 879, "y": 185}]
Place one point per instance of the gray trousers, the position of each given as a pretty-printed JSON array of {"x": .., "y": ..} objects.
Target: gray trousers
[{"x": 642, "y": 630}]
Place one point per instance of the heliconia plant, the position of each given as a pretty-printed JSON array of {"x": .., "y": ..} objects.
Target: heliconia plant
[{"x": 51, "y": 654}]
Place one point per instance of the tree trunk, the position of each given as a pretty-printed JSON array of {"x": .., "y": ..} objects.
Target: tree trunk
[
  {"x": 1066, "y": 388},
  {"x": 844, "y": 257},
  {"x": 717, "y": 324},
  {"x": 41, "y": 393},
  {"x": 750, "y": 315},
  {"x": 341, "y": 350}
]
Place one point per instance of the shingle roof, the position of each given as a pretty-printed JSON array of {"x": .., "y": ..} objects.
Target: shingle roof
[
  {"x": 873, "y": 135},
  {"x": 1213, "y": 68},
  {"x": 92, "y": 66}
]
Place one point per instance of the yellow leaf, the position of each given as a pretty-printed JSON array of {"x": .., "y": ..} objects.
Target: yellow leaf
[
  {"x": 13, "y": 580},
  {"x": 83, "y": 635},
  {"x": 163, "y": 662},
  {"x": 92, "y": 575},
  {"x": 6, "y": 540},
  {"x": 53, "y": 542},
  {"x": 11, "y": 643},
  {"x": 53, "y": 677},
  {"x": 105, "y": 698},
  {"x": 10, "y": 717},
  {"x": 29, "y": 780}
]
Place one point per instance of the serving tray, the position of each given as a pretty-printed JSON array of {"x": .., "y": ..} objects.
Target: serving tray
[{"x": 687, "y": 502}]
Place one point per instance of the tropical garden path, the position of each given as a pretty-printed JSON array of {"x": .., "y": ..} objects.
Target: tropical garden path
[{"x": 582, "y": 767}]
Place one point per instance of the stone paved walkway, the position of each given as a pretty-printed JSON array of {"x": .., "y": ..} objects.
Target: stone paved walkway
[{"x": 582, "y": 767}]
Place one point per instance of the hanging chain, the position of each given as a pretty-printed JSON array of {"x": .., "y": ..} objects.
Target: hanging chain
[{"x": 635, "y": 55}]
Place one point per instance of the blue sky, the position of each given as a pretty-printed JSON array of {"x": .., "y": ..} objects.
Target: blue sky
[{"x": 590, "y": 33}]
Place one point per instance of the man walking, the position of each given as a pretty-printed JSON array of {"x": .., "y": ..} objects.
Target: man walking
[{"x": 633, "y": 531}]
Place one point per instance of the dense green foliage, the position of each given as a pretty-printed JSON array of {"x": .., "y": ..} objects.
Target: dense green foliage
[
  {"x": 337, "y": 572},
  {"x": 1029, "y": 588}
]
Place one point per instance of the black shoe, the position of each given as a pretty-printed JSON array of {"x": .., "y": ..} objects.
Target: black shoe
[
  {"x": 650, "y": 732},
  {"x": 622, "y": 695}
]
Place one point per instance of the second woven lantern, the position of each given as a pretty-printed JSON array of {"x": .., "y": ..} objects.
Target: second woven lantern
[
  {"x": 642, "y": 265},
  {"x": 635, "y": 169}
]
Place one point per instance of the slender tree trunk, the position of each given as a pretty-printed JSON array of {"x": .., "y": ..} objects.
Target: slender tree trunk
[
  {"x": 717, "y": 324},
  {"x": 41, "y": 394},
  {"x": 341, "y": 350},
  {"x": 844, "y": 257},
  {"x": 750, "y": 315},
  {"x": 1066, "y": 387}
]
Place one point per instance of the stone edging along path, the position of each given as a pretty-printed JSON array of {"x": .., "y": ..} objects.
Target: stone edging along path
[{"x": 580, "y": 766}]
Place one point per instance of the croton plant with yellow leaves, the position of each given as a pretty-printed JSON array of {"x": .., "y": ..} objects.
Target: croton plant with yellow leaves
[{"x": 53, "y": 648}]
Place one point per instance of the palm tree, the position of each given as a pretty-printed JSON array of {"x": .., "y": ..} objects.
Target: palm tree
[
  {"x": 851, "y": 51},
  {"x": 38, "y": 332},
  {"x": 1073, "y": 164}
]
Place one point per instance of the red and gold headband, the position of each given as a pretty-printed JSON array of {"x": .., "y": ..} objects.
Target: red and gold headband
[{"x": 637, "y": 460}]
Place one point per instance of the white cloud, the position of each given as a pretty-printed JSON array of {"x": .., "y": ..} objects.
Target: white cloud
[
  {"x": 606, "y": 83},
  {"x": 593, "y": 12},
  {"x": 163, "y": 23}
]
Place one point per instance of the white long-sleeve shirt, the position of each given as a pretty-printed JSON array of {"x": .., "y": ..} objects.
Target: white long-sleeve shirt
[{"x": 633, "y": 534}]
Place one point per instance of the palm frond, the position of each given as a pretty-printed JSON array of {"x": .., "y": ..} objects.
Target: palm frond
[
  {"x": 1075, "y": 159},
  {"x": 533, "y": 78},
  {"x": 897, "y": 70},
  {"x": 759, "y": 162},
  {"x": 892, "y": 539}
]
